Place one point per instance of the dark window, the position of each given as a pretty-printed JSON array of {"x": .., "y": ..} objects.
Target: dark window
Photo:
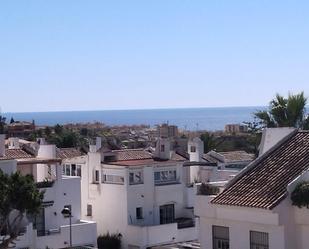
[
  {"x": 79, "y": 170},
  {"x": 139, "y": 213},
  {"x": 162, "y": 148},
  {"x": 220, "y": 237},
  {"x": 193, "y": 149},
  {"x": 258, "y": 240},
  {"x": 97, "y": 176},
  {"x": 135, "y": 177},
  {"x": 73, "y": 170},
  {"x": 167, "y": 214},
  {"x": 89, "y": 210}
]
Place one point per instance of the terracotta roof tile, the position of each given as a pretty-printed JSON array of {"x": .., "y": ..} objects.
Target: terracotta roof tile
[
  {"x": 263, "y": 183},
  {"x": 16, "y": 154},
  {"x": 134, "y": 154},
  {"x": 65, "y": 153}
]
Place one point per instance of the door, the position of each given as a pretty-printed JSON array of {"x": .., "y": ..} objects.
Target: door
[{"x": 167, "y": 214}]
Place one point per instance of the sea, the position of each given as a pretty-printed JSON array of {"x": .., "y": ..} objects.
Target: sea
[{"x": 210, "y": 119}]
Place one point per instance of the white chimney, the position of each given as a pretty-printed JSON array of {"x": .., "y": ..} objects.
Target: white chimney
[
  {"x": 13, "y": 143},
  {"x": 163, "y": 149},
  {"x": 98, "y": 143},
  {"x": 2, "y": 145},
  {"x": 41, "y": 141},
  {"x": 47, "y": 151},
  {"x": 92, "y": 148},
  {"x": 195, "y": 149}
]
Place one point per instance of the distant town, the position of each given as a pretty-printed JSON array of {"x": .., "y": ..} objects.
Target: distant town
[{"x": 89, "y": 185}]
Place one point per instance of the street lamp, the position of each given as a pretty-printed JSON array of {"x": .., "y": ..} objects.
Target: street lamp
[{"x": 66, "y": 212}]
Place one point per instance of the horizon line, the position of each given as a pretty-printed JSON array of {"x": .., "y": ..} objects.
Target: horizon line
[{"x": 133, "y": 109}]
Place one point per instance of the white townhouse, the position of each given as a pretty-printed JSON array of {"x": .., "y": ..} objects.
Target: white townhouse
[
  {"x": 215, "y": 168},
  {"x": 48, "y": 229},
  {"x": 255, "y": 210},
  {"x": 145, "y": 196}
]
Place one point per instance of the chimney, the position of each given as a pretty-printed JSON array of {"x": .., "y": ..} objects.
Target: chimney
[
  {"x": 14, "y": 143},
  {"x": 98, "y": 143},
  {"x": 41, "y": 141},
  {"x": 163, "y": 149},
  {"x": 2, "y": 145},
  {"x": 195, "y": 149}
]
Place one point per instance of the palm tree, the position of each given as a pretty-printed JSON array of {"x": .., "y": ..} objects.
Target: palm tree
[{"x": 285, "y": 112}]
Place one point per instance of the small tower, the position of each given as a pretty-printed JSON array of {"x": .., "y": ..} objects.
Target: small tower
[
  {"x": 195, "y": 149},
  {"x": 163, "y": 149}
]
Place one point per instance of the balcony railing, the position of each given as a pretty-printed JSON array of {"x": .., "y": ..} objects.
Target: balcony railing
[{"x": 185, "y": 222}]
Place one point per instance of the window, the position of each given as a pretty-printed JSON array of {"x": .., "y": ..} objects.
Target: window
[
  {"x": 220, "y": 237},
  {"x": 97, "y": 176},
  {"x": 165, "y": 176},
  {"x": 162, "y": 148},
  {"x": 139, "y": 213},
  {"x": 67, "y": 169},
  {"x": 89, "y": 210},
  {"x": 167, "y": 214},
  {"x": 78, "y": 170},
  {"x": 113, "y": 179},
  {"x": 135, "y": 177},
  {"x": 193, "y": 149},
  {"x": 258, "y": 240},
  {"x": 73, "y": 170}
]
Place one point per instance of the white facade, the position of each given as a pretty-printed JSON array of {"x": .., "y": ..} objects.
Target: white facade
[
  {"x": 286, "y": 226},
  {"x": 52, "y": 230},
  {"x": 128, "y": 199}
]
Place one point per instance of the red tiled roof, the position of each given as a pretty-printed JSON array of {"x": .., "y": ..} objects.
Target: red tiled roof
[
  {"x": 229, "y": 157},
  {"x": 263, "y": 183},
  {"x": 138, "y": 157},
  {"x": 137, "y": 154},
  {"x": 15, "y": 154},
  {"x": 236, "y": 156},
  {"x": 65, "y": 153}
]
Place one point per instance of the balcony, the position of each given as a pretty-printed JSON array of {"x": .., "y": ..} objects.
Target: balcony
[
  {"x": 183, "y": 229},
  {"x": 83, "y": 233},
  {"x": 184, "y": 222}
]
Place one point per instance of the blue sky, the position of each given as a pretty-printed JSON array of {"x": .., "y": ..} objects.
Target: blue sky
[{"x": 96, "y": 55}]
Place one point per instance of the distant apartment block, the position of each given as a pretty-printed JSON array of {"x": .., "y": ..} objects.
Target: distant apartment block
[
  {"x": 235, "y": 128},
  {"x": 21, "y": 129},
  {"x": 167, "y": 131}
]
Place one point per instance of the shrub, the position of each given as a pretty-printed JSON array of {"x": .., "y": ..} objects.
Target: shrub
[
  {"x": 300, "y": 195},
  {"x": 207, "y": 189},
  {"x": 109, "y": 241}
]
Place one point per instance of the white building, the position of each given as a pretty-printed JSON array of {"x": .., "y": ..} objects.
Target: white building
[
  {"x": 49, "y": 228},
  {"x": 255, "y": 210},
  {"x": 215, "y": 168},
  {"x": 139, "y": 194}
]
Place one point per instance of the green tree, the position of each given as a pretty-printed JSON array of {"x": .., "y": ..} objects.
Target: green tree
[
  {"x": 2, "y": 124},
  {"x": 209, "y": 141},
  {"x": 18, "y": 196},
  {"x": 109, "y": 241},
  {"x": 58, "y": 129},
  {"x": 285, "y": 112},
  {"x": 12, "y": 120},
  {"x": 47, "y": 131}
]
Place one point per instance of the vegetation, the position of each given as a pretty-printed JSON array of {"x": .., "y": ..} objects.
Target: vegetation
[
  {"x": 109, "y": 241},
  {"x": 207, "y": 189},
  {"x": 248, "y": 142},
  {"x": 285, "y": 112},
  {"x": 300, "y": 195},
  {"x": 18, "y": 196},
  {"x": 2, "y": 124}
]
